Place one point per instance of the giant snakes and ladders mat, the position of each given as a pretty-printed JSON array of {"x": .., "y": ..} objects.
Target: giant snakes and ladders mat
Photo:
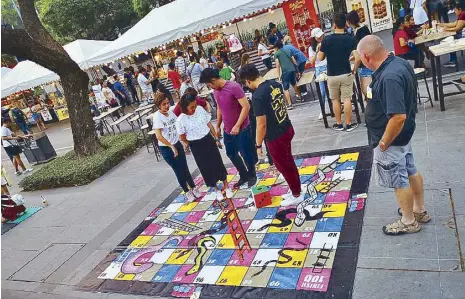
[{"x": 230, "y": 249}]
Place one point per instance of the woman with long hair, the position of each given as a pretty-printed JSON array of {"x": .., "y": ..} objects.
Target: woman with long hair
[
  {"x": 401, "y": 44},
  {"x": 171, "y": 149},
  {"x": 353, "y": 21},
  {"x": 197, "y": 133},
  {"x": 264, "y": 53},
  {"x": 320, "y": 66}
]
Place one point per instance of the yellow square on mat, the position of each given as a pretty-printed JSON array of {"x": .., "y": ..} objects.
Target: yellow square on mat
[
  {"x": 263, "y": 166},
  {"x": 267, "y": 182},
  {"x": 285, "y": 229},
  {"x": 122, "y": 276},
  {"x": 179, "y": 256},
  {"x": 334, "y": 210},
  {"x": 140, "y": 241},
  {"x": 230, "y": 177},
  {"x": 297, "y": 261},
  {"x": 226, "y": 242},
  {"x": 307, "y": 170},
  {"x": 187, "y": 207},
  {"x": 322, "y": 187},
  {"x": 275, "y": 201},
  {"x": 348, "y": 157},
  {"x": 232, "y": 275}
]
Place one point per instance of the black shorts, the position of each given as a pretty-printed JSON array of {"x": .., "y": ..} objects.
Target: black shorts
[{"x": 13, "y": 150}]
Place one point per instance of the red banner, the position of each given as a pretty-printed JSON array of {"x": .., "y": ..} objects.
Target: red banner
[{"x": 301, "y": 18}]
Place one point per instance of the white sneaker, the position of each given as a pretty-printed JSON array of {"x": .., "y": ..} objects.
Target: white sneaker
[
  {"x": 28, "y": 170},
  {"x": 291, "y": 200},
  {"x": 219, "y": 195},
  {"x": 320, "y": 117},
  {"x": 196, "y": 192},
  {"x": 229, "y": 193},
  {"x": 190, "y": 196}
]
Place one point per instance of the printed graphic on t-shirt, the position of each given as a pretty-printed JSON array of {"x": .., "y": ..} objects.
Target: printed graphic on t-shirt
[
  {"x": 278, "y": 104},
  {"x": 170, "y": 126}
]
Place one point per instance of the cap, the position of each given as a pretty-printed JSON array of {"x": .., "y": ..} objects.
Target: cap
[{"x": 317, "y": 32}]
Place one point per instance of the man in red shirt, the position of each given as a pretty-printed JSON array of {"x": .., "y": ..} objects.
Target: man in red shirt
[
  {"x": 175, "y": 79},
  {"x": 456, "y": 26}
]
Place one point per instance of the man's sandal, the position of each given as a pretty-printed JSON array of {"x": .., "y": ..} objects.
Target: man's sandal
[
  {"x": 399, "y": 228},
  {"x": 420, "y": 217}
]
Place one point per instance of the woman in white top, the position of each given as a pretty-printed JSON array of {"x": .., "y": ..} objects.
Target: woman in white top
[
  {"x": 264, "y": 53},
  {"x": 320, "y": 66},
  {"x": 164, "y": 124},
  {"x": 110, "y": 98},
  {"x": 419, "y": 11},
  {"x": 197, "y": 133}
]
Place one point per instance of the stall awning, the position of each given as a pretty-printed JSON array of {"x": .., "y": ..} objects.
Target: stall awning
[
  {"x": 28, "y": 74},
  {"x": 5, "y": 71},
  {"x": 176, "y": 20}
]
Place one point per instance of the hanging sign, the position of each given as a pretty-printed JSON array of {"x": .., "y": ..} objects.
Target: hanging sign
[
  {"x": 380, "y": 15},
  {"x": 301, "y": 18}
]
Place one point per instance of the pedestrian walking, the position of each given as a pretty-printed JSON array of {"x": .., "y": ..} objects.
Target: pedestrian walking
[
  {"x": 233, "y": 109},
  {"x": 129, "y": 80},
  {"x": 337, "y": 49},
  {"x": 390, "y": 118},
  {"x": 144, "y": 83},
  {"x": 121, "y": 92},
  {"x": 175, "y": 79},
  {"x": 198, "y": 134},
  {"x": 275, "y": 128},
  {"x": 11, "y": 146},
  {"x": 171, "y": 149},
  {"x": 180, "y": 63},
  {"x": 264, "y": 52},
  {"x": 18, "y": 116}
]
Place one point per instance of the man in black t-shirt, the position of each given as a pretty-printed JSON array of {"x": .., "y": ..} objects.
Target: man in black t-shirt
[
  {"x": 337, "y": 49},
  {"x": 390, "y": 118},
  {"x": 275, "y": 128}
]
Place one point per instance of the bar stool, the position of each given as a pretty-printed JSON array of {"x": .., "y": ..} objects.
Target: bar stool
[{"x": 420, "y": 72}]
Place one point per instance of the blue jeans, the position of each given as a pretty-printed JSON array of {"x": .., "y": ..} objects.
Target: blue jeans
[
  {"x": 23, "y": 127},
  {"x": 179, "y": 165},
  {"x": 244, "y": 144},
  {"x": 318, "y": 71},
  {"x": 453, "y": 56}
]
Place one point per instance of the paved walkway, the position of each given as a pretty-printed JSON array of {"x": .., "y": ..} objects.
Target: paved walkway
[{"x": 48, "y": 254}]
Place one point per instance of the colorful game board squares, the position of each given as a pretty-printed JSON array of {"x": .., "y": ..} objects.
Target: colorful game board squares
[
  {"x": 348, "y": 157},
  {"x": 179, "y": 199},
  {"x": 248, "y": 256},
  {"x": 166, "y": 273},
  {"x": 220, "y": 257},
  {"x": 274, "y": 240},
  {"x": 296, "y": 260},
  {"x": 256, "y": 225},
  {"x": 232, "y": 275},
  {"x": 259, "y": 281},
  {"x": 247, "y": 213},
  {"x": 111, "y": 271},
  {"x": 182, "y": 276},
  {"x": 267, "y": 182},
  {"x": 242, "y": 193},
  {"x": 151, "y": 230},
  {"x": 325, "y": 240},
  {"x": 255, "y": 239},
  {"x": 232, "y": 170},
  {"x": 329, "y": 224},
  {"x": 311, "y": 161},
  {"x": 278, "y": 190},
  {"x": 187, "y": 207},
  {"x": 265, "y": 213},
  {"x": 263, "y": 166},
  {"x": 179, "y": 256},
  {"x": 194, "y": 216},
  {"x": 172, "y": 208},
  {"x": 281, "y": 181},
  {"x": 122, "y": 276},
  {"x": 230, "y": 177},
  {"x": 161, "y": 256},
  {"x": 334, "y": 210},
  {"x": 265, "y": 255},
  {"x": 346, "y": 166},
  {"x": 337, "y": 197},
  {"x": 140, "y": 241},
  {"x": 202, "y": 206},
  {"x": 209, "y": 274},
  {"x": 307, "y": 227},
  {"x": 319, "y": 258},
  {"x": 343, "y": 185},
  {"x": 298, "y": 240},
  {"x": 212, "y": 245},
  {"x": 246, "y": 224},
  {"x": 148, "y": 275},
  {"x": 308, "y": 170},
  {"x": 284, "y": 229},
  {"x": 156, "y": 240},
  {"x": 226, "y": 242},
  {"x": 344, "y": 175},
  {"x": 211, "y": 216},
  {"x": 298, "y": 162},
  {"x": 217, "y": 225},
  {"x": 164, "y": 231},
  {"x": 311, "y": 281},
  {"x": 284, "y": 278},
  {"x": 327, "y": 160},
  {"x": 191, "y": 260},
  {"x": 275, "y": 201},
  {"x": 180, "y": 216}
]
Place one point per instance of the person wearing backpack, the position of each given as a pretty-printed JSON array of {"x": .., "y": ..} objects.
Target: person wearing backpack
[{"x": 20, "y": 119}]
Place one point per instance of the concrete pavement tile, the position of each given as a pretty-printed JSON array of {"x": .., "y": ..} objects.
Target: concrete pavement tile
[
  {"x": 389, "y": 284},
  {"x": 46, "y": 262},
  {"x": 70, "y": 291},
  {"x": 395, "y": 263},
  {"x": 447, "y": 240},
  {"x": 421, "y": 245},
  {"x": 27, "y": 286},
  {"x": 452, "y": 285},
  {"x": 79, "y": 234},
  {"x": 13, "y": 260},
  {"x": 12, "y": 294},
  {"x": 438, "y": 201},
  {"x": 85, "y": 267},
  {"x": 32, "y": 238},
  {"x": 450, "y": 266}
]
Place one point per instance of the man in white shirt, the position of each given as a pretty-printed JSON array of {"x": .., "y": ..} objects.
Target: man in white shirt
[
  {"x": 11, "y": 146},
  {"x": 180, "y": 64},
  {"x": 145, "y": 86}
]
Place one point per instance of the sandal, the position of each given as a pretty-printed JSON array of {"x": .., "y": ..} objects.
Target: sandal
[
  {"x": 420, "y": 217},
  {"x": 399, "y": 228}
]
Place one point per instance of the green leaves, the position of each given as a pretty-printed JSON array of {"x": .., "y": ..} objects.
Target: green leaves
[{"x": 69, "y": 170}]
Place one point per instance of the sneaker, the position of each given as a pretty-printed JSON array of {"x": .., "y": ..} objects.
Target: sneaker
[
  {"x": 239, "y": 184},
  {"x": 219, "y": 195},
  {"x": 420, "y": 217},
  {"x": 28, "y": 170},
  {"x": 399, "y": 228},
  {"x": 351, "y": 127},
  {"x": 229, "y": 193},
  {"x": 209, "y": 196},
  {"x": 450, "y": 12},
  {"x": 290, "y": 107},
  {"x": 291, "y": 200},
  {"x": 337, "y": 127},
  {"x": 320, "y": 117},
  {"x": 190, "y": 196},
  {"x": 196, "y": 192},
  {"x": 18, "y": 173},
  {"x": 251, "y": 182},
  {"x": 449, "y": 64}
]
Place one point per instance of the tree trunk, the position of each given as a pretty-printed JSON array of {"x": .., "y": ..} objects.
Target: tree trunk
[{"x": 36, "y": 44}]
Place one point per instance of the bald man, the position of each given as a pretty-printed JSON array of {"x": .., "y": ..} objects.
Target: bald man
[{"x": 390, "y": 118}]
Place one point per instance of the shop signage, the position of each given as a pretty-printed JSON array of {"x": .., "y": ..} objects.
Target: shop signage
[{"x": 380, "y": 15}]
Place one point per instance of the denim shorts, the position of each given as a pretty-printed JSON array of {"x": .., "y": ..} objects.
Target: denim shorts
[
  {"x": 288, "y": 79},
  {"x": 364, "y": 72},
  {"x": 394, "y": 166}
]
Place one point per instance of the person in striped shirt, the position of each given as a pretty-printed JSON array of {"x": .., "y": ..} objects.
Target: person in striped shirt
[{"x": 180, "y": 64}]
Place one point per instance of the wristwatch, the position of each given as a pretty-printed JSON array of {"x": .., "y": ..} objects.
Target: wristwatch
[{"x": 258, "y": 146}]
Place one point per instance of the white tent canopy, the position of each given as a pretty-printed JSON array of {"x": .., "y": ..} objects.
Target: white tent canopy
[
  {"x": 28, "y": 74},
  {"x": 5, "y": 71},
  {"x": 176, "y": 20}
]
